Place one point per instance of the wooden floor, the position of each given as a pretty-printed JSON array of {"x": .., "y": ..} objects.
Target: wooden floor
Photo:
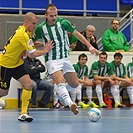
[{"x": 63, "y": 121}]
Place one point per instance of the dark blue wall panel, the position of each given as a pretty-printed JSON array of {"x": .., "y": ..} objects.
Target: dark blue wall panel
[
  {"x": 35, "y": 3},
  {"x": 64, "y": 4},
  {"x": 126, "y": 32},
  {"x": 69, "y": 4},
  {"x": 9, "y": 3},
  {"x": 126, "y": 2},
  {"x": 105, "y": 5}
]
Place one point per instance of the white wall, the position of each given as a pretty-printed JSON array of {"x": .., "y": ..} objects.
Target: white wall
[{"x": 127, "y": 57}]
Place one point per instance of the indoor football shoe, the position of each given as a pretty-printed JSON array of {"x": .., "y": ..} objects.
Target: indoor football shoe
[
  {"x": 74, "y": 108},
  {"x": 103, "y": 105},
  {"x": 25, "y": 117},
  {"x": 83, "y": 105},
  {"x": 93, "y": 105},
  {"x": 123, "y": 104},
  {"x": 118, "y": 105},
  {"x": 131, "y": 105},
  {"x": 58, "y": 106}
]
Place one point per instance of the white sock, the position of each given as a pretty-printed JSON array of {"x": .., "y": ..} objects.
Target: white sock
[
  {"x": 69, "y": 88},
  {"x": 89, "y": 93},
  {"x": 130, "y": 93},
  {"x": 63, "y": 94},
  {"x": 99, "y": 93},
  {"x": 115, "y": 93},
  {"x": 55, "y": 97},
  {"x": 73, "y": 94},
  {"x": 79, "y": 93}
]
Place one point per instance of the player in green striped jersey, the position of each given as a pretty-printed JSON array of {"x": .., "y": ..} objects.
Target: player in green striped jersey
[
  {"x": 103, "y": 75},
  {"x": 121, "y": 79},
  {"x": 57, "y": 60},
  {"x": 129, "y": 70},
  {"x": 82, "y": 73}
]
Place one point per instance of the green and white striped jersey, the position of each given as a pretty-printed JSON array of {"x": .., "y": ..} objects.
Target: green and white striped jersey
[
  {"x": 129, "y": 69},
  {"x": 97, "y": 69},
  {"x": 120, "y": 70},
  {"x": 81, "y": 71},
  {"x": 57, "y": 33}
]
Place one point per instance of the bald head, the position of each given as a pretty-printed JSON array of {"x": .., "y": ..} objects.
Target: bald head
[
  {"x": 29, "y": 16},
  {"x": 30, "y": 21}
]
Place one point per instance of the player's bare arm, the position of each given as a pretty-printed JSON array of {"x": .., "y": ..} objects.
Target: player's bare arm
[
  {"x": 125, "y": 79},
  {"x": 96, "y": 77},
  {"x": 84, "y": 41},
  {"x": 48, "y": 46},
  {"x": 38, "y": 44},
  {"x": 110, "y": 80}
]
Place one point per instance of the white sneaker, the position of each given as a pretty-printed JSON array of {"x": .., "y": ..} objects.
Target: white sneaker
[
  {"x": 1, "y": 108},
  {"x": 74, "y": 108},
  {"x": 25, "y": 117}
]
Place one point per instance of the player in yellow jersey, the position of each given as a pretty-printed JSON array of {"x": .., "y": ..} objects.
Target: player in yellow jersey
[{"x": 12, "y": 63}]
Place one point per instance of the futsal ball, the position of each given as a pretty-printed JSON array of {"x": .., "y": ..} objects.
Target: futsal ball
[
  {"x": 2, "y": 103},
  {"x": 94, "y": 114}
]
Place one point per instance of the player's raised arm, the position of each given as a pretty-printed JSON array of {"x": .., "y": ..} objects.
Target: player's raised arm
[{"x": 84, "y": 41}]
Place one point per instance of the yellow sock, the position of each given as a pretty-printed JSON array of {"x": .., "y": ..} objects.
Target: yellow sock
[{"x": 26, "y": 96}]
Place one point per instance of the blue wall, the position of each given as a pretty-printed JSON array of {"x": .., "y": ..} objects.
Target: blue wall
[{"x": 110, "y": 5}]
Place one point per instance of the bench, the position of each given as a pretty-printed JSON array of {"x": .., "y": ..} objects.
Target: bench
[
  {"x": 19, "y": 97},
  {"x": 84, "y": 97}
]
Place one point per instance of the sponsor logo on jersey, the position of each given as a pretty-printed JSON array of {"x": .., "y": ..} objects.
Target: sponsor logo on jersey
[{"x": 30, "y": 43}]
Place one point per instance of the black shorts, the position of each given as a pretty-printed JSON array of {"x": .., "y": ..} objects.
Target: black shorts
[{"x": 7, "y": 73}]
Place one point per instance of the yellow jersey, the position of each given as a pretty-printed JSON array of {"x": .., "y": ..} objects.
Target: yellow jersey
[{"x": 18, "y": 43}]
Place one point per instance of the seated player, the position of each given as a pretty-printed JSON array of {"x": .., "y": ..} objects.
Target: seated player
[
  {"x": 121, "y": 79},
  {"x": 82, "y": 73},
  {"x": 102, "y": 77}
]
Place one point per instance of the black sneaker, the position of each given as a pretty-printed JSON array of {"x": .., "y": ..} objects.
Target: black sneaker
[
  {"x": 41, "y": 105},
  {"x": 33, "y": 106}
]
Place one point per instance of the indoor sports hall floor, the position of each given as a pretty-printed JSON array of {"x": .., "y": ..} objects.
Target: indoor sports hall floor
[{"x": 63, "y": 121}]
